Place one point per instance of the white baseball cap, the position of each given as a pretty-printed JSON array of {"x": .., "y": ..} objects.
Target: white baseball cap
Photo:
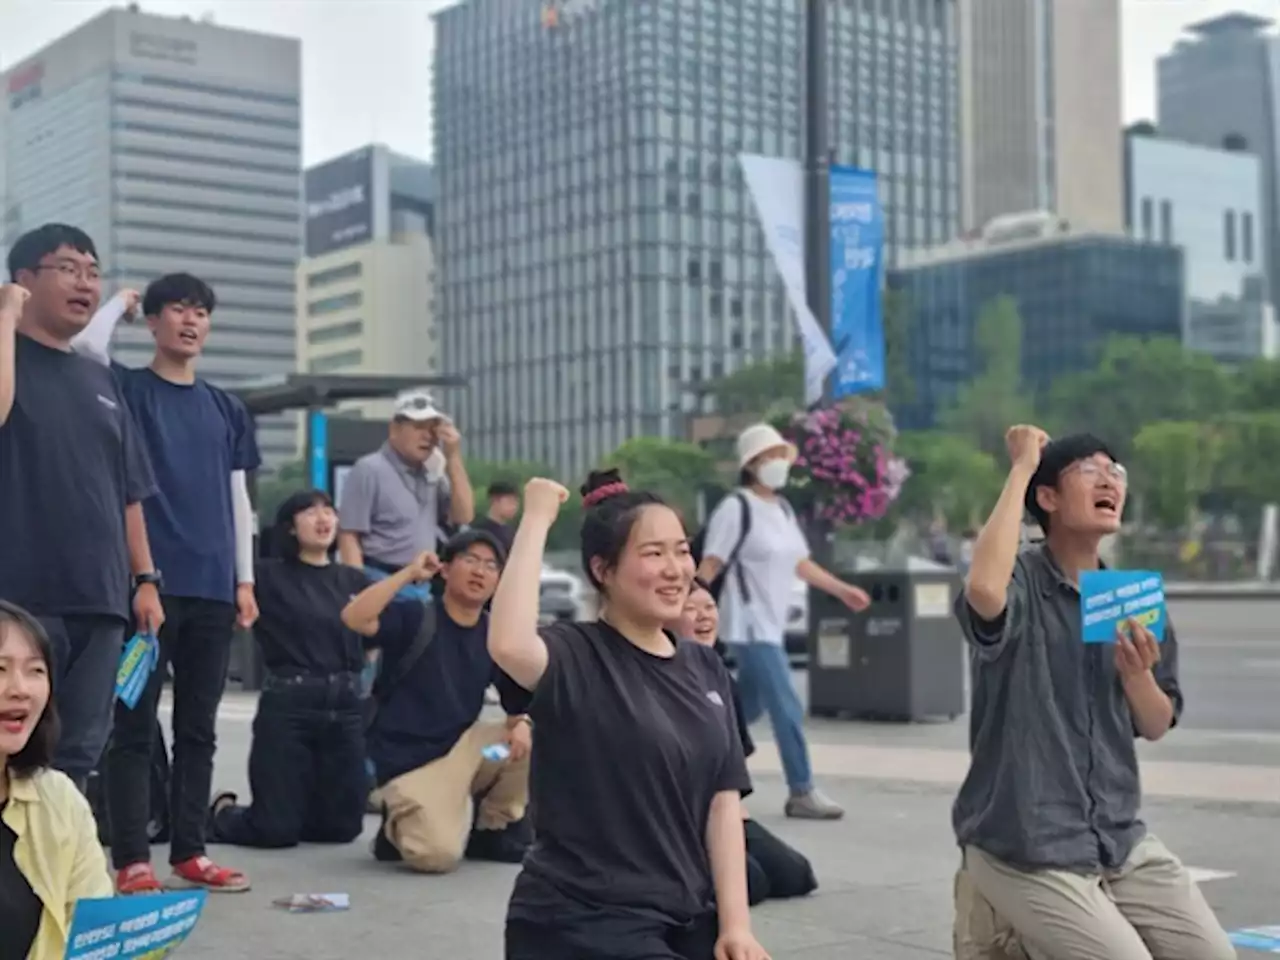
[
  {"x": 418, "y": 406},
  {"x": 758, "y": 438}
]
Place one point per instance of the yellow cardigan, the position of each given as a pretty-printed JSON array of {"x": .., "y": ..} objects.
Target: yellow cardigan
[{"x": 57, "y": 851}]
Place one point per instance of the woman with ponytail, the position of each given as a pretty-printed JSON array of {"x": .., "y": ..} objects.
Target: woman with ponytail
[{"x": 638, "y": 767}]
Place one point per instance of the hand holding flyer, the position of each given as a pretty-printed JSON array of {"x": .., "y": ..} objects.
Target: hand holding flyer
[
  {"x": 1108, "y": 597},
  {"x": 139, "y": 661}
]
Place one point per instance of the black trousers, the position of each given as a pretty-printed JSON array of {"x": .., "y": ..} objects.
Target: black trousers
[
  {"x": 775, "y": 871},
  {"x": 611, "y": 937},
  {"x": 196, "y": 641},
  {"x": 306, "y": 766}
]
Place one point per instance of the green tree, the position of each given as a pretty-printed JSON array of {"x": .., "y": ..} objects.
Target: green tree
[
  {"x": 1250, "y": 469},
  {"x": 1258, "y": 385},
  {"x": 1139, "y": 382},
  {"x": 1175, "y": 464},
  {"x": 993, "y": 400},
  {"x": 898, "y": 385},
  {"x": 677, "y": 470},
  {"x": 949, "y": 475}
]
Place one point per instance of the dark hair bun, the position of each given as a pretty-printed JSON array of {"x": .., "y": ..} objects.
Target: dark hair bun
[{"x": 601, "y": 485}]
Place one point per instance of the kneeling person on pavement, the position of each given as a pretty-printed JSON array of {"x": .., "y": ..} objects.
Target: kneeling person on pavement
[{"x": 427, "y": 739}]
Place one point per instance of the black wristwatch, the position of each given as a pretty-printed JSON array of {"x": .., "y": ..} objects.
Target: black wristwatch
[{"x": 153, "y": 577}]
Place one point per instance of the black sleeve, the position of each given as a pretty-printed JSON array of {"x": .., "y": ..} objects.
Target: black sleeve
[
  {"x": 550, "y": 696},
  {"x": 1166, "y": 673}
]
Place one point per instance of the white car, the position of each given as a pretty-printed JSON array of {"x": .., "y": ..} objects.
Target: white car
[{"x": 560, "y": 596}]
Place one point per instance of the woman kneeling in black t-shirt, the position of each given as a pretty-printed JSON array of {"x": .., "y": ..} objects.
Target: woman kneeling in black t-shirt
[
  {"x": 637, "y": 766},
  {"x": 306, "y": 764}
]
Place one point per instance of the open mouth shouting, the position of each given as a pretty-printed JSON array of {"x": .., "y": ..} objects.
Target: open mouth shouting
[
  {"x": 14, "y": 720},
  {"x": 80, "y": 306},
  {"x": 1107, "y": 504},
  {"x": 189, "y": 337}
]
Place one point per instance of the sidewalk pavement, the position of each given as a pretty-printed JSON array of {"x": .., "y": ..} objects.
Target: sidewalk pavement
[{"x": 885, "y": 870}]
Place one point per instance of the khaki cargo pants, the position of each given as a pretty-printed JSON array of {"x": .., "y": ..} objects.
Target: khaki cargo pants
[
  {"x": 1149, "y": 909},
  {"x": 429, "y": 810}
]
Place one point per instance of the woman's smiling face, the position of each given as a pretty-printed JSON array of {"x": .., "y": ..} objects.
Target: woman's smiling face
[{"x": 700, "y": 619}]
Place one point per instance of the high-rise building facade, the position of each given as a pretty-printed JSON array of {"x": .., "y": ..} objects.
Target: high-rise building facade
[
  {"x": 177, "y": 146},
  {"x": 600, "y": 259},
  {"x": 366, "y": 288},
  {"x": 1074, "y": 290},
  {"x": 1221, "y": 87},
  {"x": 1040, "y": 84},
  {"x": 1208, "y": 202}
]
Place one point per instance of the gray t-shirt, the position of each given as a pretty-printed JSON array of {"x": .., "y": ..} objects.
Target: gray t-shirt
[
  {"x": 1053, "y": 781},
  {"x": 397, "y": 509}
]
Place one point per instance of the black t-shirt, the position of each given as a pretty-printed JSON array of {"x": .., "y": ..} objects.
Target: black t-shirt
[
  {"x": 300, "y": 617},
  {"x": 20, "y": 908},
  {"x": 629, "y": 750},
  {"x": 427, "y": 712},
  {"x": 70, "y": 461}
]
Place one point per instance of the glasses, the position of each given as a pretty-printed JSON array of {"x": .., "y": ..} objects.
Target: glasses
[
  {"x": 1093, "y": 471},
  {"x": 484, "y": 563},
  {"x": 73, "y": 271}
]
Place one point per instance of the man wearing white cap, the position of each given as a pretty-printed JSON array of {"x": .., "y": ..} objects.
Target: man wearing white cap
[
  {"x": 754, "y": 550},
  {"x": 401, "y": 499}
]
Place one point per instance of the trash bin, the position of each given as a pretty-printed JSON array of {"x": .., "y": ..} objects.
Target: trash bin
[{"x": 902, "y": 659}]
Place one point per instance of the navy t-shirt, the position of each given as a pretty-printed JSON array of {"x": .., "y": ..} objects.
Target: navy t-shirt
[
  {"x": 196, "y": 435},
  {"x": 432, "y": 707},
  {"x": 70, "y": 461}
]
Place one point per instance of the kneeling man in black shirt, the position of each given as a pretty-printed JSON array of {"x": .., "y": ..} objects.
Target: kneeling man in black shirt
[{"x": 427, "y": 741}]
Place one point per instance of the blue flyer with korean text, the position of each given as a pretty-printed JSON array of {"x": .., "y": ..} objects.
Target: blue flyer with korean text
[
  {"x": 139, "y": 928},
  {"x": 1108, "y": 597},
  {"x": 139, "y": 661}
]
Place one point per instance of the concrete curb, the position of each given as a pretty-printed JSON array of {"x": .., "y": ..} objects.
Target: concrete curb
[{"x": 1222, "y": 591}]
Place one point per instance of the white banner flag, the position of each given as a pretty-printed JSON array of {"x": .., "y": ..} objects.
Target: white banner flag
[{"x": 777, "y": 189}]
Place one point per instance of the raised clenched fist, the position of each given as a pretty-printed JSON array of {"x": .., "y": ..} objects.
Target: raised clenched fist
[
  {"x": 543, "y": 498},
  {"x": 1025, "y": 443},
  {"x": 425, "y": 566},
  {"x": 12, "y": 300}
]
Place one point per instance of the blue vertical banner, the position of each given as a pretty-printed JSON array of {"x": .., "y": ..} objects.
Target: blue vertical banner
[
  {"x": 857, "y": 250},
  {"x": 318, "y": 446}
]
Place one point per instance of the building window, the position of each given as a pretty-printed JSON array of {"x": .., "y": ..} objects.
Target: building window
[
  {"x": 1246, "y": 237},
  {"x": 344, "y": 301},
  {"x": 1148, "y": 217},
  {"x": 336, "y": 361},
  {"x": 339, "y": 331},
  {"x": 347, "y": 271},
  {"x": 1166, "y": 221},
  {"x": 1229, "y": 234}
]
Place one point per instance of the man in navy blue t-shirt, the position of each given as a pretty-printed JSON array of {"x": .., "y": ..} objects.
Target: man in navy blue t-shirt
[
  {"x": 200, "y": 441},
  {"x": 73, "y": 476}
]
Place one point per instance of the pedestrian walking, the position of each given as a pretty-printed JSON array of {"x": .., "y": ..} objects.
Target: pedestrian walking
[{"x": 73, "y": 477}]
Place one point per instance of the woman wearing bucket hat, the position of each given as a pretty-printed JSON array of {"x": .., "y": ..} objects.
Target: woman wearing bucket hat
[{"x": 753, "y": 552}]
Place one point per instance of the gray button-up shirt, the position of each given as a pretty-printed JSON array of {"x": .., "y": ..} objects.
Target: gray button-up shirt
[
  {"x": 397, "y": 509},
  {"x": 1053, "y": 781}
]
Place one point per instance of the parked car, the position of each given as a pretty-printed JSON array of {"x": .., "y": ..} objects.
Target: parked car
[{"x": 560, "y": 596}]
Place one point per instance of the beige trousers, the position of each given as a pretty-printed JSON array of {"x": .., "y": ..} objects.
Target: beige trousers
[
  {"x": 1148, "y": 909},
  {"x": 429, "y": 810}
]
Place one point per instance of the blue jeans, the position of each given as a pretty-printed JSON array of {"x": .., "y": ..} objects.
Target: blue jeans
[{"x": 764, "y": 684}]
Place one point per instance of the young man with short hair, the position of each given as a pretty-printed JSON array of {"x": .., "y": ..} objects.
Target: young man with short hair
[
  {"x": 427, "y": 740},
  {"x": 504, "y": 504},
  {"x": 201, "y": 442},
  {"x": 73, "y": 477},
  {"x": 1048, "y": 816}
]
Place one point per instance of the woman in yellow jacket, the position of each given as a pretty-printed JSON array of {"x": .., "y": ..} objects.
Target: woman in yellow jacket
[{"x": 49, "y": 851}]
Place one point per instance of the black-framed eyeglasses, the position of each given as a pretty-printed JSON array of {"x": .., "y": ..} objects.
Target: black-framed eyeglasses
[{"x": 69, "y": 270}]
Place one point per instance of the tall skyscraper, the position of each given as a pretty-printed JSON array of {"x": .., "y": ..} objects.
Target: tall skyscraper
[
  {"x": 366, "y": 288},
  {"x": 177, "y": 145},
  {"x": 1221, "y": 87},
  {"x": 600, "y": 259},
  {"x": 1040, "y": 111}
]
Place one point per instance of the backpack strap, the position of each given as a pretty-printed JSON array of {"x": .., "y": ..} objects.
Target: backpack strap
[
  {"x": 744, "y": 529},
  {"x": 388, "y": 680}
]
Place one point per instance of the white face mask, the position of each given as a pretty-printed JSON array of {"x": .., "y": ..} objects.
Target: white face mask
[
  {"x": 435, "y": 464},
  {"x": 773, "y": 473}
]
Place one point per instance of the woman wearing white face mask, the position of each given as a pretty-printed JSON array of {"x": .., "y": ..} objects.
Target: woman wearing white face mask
[{"x": 754, "y": 550}]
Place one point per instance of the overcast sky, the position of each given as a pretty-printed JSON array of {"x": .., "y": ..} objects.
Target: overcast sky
[{"x": 367, "y": 63}]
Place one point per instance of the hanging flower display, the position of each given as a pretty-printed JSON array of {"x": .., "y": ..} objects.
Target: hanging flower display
[{"x": 845, "y": 472}]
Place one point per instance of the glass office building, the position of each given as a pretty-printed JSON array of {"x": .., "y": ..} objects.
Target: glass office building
[
  {"x": 177, "y": 146},
  {"x": 1073, "y": 293},
  {"x": 600, "y": 260},
  {"x": 1208, "y": 202}
]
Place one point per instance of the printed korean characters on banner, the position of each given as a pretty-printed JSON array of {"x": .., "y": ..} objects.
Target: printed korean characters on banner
[
  {"x": 133, "y": 928},
  {"x": 857, "y": 251},
  {"x": 1108, "y": 597}
]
